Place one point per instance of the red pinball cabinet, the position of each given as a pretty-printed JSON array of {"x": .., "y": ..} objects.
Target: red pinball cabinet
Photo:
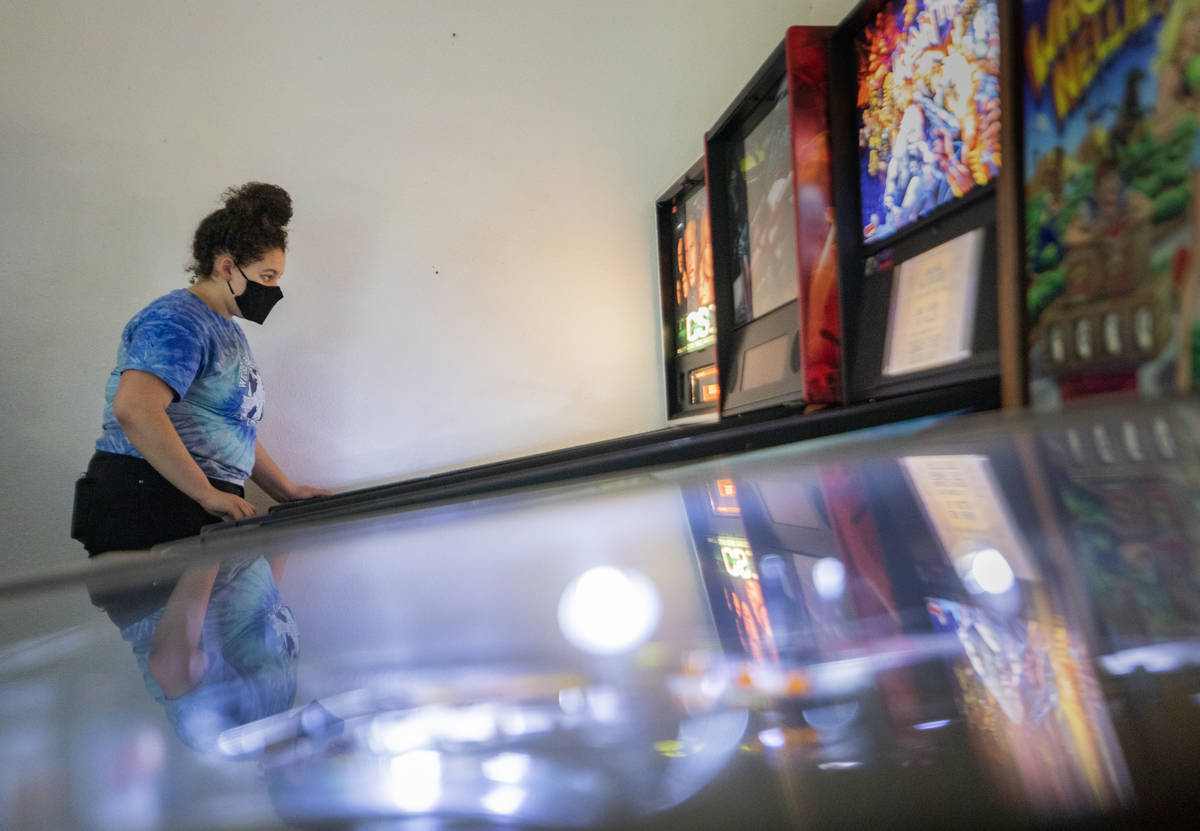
[{"x": 774, "y": 253}]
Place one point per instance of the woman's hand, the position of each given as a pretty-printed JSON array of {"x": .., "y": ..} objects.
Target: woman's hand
[
  {"x": 275, "y": 483},
  {"x": 226, "y": 505}
]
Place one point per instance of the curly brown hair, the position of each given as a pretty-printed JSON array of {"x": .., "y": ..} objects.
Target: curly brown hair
[{"x": 252, "y": 223}]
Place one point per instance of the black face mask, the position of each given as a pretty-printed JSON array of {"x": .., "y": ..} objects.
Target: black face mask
[{"x": 256, "y": 301}]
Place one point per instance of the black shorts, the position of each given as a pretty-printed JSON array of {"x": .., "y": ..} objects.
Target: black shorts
[{"x": 124, "y": 504}]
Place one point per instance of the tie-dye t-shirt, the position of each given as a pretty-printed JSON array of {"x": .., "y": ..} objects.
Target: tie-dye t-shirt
[{"x": 206, "y": 360}]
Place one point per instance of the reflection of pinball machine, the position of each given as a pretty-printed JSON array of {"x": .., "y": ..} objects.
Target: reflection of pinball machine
[
  {"x": 1024, "y": 684},
  {"x": 1126, "y": 488},
  {"x": 821, "y": 646},
  {"x": 787, "y": 574},
  {"x": 1120, "y": 491}
]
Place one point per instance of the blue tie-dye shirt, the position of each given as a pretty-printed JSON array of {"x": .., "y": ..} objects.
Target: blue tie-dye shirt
[{"x": 206, "y": 360}]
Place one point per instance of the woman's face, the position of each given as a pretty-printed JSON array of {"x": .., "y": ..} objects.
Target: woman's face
[{"x": 268, "y": 270}]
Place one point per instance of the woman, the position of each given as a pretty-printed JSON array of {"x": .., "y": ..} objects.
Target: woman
[{"x": 180, "y": 428}]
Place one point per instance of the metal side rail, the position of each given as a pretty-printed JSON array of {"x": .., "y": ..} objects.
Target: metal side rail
[{"x": 686, "y": 444}]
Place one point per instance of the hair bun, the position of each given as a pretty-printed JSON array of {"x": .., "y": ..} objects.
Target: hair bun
[{"x": 270, "y": 203}]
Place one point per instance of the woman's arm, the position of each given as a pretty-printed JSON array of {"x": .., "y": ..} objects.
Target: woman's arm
[
  {"x": 140, "y": 407},
  {"x": 275, "y": 483},
  {"x": 176, "y": 661}
]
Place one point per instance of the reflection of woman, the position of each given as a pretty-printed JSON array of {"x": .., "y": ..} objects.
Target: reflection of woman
[
  {"x": 180, "y": 422},
  {"x": 220, "y": 653}
]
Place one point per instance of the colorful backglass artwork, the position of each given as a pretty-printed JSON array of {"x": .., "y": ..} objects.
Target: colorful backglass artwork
[
  {"x": 764, "y": 203},
  {"x": 695, "y": 310},
  {"x": 928, "y": 108},
  {"x": 1111, "y": 150}
]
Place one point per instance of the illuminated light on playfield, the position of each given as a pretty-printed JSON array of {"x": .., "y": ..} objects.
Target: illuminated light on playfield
[
  {"x": 932, "y": 725},
  {"x": 504, "y": 800},
  {"x": 771, "y": 737},
  {"x": 988, "y": 572},
  {"x": 829, "y": 577},
  {"x": 839, "y": 765},
  {"x": 415, "y": 783},
  {"x": 607, "y": 611},
  {"x": 507, "y": 768}
]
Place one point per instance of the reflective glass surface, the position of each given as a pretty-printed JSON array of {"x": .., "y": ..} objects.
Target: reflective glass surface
[{"x": 971, "y": 620}]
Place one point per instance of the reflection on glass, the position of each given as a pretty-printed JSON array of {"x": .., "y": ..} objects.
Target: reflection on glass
[
  {"x": 763, "y": 200},
  {"x": 220, "y": 652},
  {"x": 607, "y": 610},
  {"x": 981, "y": 623},
  {"x": 1030, "y": 698}
]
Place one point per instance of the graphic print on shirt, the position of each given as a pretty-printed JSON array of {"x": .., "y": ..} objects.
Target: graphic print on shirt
[{"x": 253, "y": 398}]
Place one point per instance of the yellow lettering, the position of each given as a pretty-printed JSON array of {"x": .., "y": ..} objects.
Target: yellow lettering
[
  {"x": 1066, "y": 84},
  {"x": 1039, "y": 54},
  {"x": 1078, "y": 37}
]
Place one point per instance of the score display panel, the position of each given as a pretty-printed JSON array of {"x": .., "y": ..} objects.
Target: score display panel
[
  {"x": 915, "y": 120},
  {"x": 688, "y": 305},
  {"x": 774, "y": 255}
]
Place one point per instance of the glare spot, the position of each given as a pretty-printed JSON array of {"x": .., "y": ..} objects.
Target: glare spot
[
  {"x": 771, "y": 737},
  {"x": 506, "y": 768},
  {"x": 990, "y": 572},
  {"x": 829, "y": 576},
  {"x": 504, "y": 800},
  {"x": 839, "y": 765},
  {"x": 469, "y": 724},
  {"x": 415, "y": 783},
  {"x": 932, "y": 725},
  {"x": 607, "y": 611}
]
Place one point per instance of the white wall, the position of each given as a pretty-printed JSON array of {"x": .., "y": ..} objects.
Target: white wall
[{"x": 472, "y": 269}]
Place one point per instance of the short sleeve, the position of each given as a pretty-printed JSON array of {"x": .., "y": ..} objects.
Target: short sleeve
[{"x": 158, "y": 343}]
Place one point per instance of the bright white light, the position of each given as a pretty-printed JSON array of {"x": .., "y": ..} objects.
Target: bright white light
[
  {"x": 839, "y": 765},
  {"x": 469, "y": 724},
  {"x": 607, "y": 611},
  {"x": 829, "y": 576},
  {"x": 415, "y": 783},
  {"x": 506, "y": 768},
  {"x": 771, "y": 737},
  {"x": 504, "y": 800},
  {"x": 990, "y": 572},
  {"x": 932, "y": 725},
  {"x": 396, "y": 733}
]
